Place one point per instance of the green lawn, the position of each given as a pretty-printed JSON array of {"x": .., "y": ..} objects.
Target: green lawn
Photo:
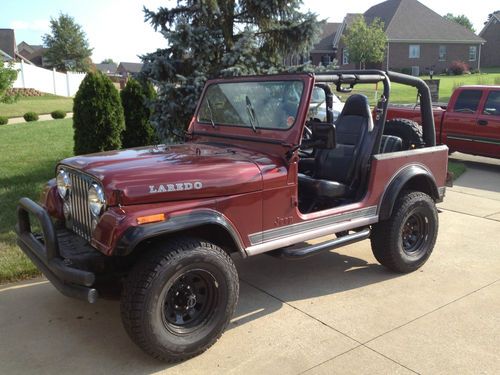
[
  {"x": 29, "y": 154},
  {"x": 39, "y": 104},
  {"x": 401, "y": 94}
]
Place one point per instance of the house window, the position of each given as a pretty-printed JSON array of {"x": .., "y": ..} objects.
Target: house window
[
  {"x": 472, "y": 53},
  {"x": 442, "y": 53},
  {"x": 414, "y": 51},
  {"x": 325, "y": 60},
  {"x": 345, "y": 56}
]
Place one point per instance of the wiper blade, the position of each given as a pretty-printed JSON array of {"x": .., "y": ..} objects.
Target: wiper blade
[
  {"x": 251, "y": 114},
  {"x": 211, "y": 113}
]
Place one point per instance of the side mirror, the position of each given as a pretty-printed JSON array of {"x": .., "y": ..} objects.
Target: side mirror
[{"x": 323, "y": 135}]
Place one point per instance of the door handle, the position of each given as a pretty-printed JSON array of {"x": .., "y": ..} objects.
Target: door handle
[{"x": 482, "y": 122}]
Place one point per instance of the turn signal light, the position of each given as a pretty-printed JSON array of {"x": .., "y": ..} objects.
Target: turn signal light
[{"x": 151, "y": 219}]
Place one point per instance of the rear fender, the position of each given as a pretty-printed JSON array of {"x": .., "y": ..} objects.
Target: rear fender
[{"x": 413, "y": 177}]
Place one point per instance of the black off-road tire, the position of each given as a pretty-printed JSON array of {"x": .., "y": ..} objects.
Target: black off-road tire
[
  {"x": 404, "y": 242},
  {"x": 409, "y": 131},
  {"x": 179, "y": 298}
]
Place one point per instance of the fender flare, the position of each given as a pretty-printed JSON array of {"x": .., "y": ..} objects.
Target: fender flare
[
  {"x": 134, "y": 235},
  {"x": 399, "y": 181}
]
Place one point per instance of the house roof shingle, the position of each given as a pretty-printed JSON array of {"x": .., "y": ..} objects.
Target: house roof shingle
[
  {"x": 410, "y": 20},
  {"x": 325, "y": 43},
  {"x": 107, "y": 68},
  {"x": 494, "y": 17},
  {"x": 130, "y": 67}
]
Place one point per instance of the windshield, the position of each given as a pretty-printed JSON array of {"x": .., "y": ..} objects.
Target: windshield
[{"x": 265, "y": 105}]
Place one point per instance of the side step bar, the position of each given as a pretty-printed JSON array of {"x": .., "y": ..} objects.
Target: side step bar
[{"x": 307, "y": 251}]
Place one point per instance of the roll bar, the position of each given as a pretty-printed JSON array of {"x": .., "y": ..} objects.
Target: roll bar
[{"x": 341, "y": 78}]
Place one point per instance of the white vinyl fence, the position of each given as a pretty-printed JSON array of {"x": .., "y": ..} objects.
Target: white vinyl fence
[{"x": 49, "y": 81}]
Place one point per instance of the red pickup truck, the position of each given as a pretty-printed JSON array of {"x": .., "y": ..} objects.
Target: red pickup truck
[{"x": 470, "y": 123}]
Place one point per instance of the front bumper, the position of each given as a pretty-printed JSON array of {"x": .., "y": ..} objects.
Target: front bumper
[{"x": 45, "y": 252}]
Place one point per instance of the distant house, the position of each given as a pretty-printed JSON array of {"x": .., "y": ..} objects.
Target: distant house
[
  {"x": 419, "y": 39},
  {"x": 324, "y": 51},
  {"x": 33, "y": 53},
  {"x": 491, "y": 33},
  {"x": 108, "y": 69},
  {"x": 8, "y": 48},
  {"x": 126, "y": 69}
]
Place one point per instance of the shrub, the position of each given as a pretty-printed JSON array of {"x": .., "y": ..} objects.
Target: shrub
[
  {"x": 30, "y": 116},
  {"x": 138, "y": 128},
  {"x": 4, "y": 120},
  {"x": 458, "y": 68},
  {"x": 58, "y": 114},
  {"x": 98, "y": 115},
  {"x": 406, "y": 71}
]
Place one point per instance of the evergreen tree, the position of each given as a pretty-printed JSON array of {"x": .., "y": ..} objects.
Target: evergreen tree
[
  {"x": 136, "y": 98},
  {"x": 97, "y": 115},
  {"x": 212, "y": 38},
  {"x": 365, "y": 43},
  {"x": 461, "y": 20},
  {"x": 67, "y": 44}
]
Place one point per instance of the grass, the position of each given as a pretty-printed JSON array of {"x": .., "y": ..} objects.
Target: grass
[
  {"x": 38, "y": 104},
  {"x": 29, "y": 154},
  {"x": 401, "y": 94},
  {"x": 456, "y": 168}
]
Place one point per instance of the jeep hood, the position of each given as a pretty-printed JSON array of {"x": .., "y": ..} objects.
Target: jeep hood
[{"x": 169, "y": 173}]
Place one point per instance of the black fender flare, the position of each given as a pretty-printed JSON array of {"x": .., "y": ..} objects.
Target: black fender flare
[
  {"x": 400, "y": 180},
  {"x": 135, "y": 235}
]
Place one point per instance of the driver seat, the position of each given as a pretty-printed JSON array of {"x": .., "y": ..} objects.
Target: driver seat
[{"x": 336, "y": 170}]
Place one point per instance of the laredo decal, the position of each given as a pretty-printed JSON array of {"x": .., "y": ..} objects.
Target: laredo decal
[{"x": 180, "y": 186}]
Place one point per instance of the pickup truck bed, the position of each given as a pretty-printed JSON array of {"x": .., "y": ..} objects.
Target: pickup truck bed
[{"x": 469, "y": 123}]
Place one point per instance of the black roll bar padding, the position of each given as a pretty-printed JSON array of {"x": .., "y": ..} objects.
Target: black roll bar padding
[
  {"x": 329, "y": 101},
  {"x": 426, "y": 113},
  {"x": 354, "y": 77}
]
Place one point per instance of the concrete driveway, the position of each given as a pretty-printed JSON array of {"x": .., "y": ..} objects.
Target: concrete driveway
[{"x": 338, "y": 312}]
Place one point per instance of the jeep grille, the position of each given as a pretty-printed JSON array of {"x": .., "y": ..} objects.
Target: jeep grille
[{"x": 81, "y": 218}]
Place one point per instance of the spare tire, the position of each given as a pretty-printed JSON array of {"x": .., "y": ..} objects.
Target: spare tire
[{"x": 409, "y": 131}]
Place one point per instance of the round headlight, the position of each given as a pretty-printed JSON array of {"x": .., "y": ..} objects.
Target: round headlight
[
  {"x": 63, "y": 183},
  {"x": 96, "y": 200}
]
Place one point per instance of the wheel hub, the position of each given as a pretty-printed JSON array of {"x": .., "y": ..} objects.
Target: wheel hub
[
  {"x": 414, "y": 233},
  {"x": 189, "y": 301}
]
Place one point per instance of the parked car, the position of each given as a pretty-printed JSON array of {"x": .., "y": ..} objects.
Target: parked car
[
  {"x": 317, "y": 106},
  {"x": 470, "y": 123},
  {"x": 165, "y": 219}
]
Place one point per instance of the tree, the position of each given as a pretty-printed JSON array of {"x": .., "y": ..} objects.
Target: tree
[
  {"x": 67, "y": 44},
  {"x": 136, "y": 98},
  {"x": 98, "y": 117},
  {"x": 365, "y": 43},
  {"x": 107, "y": 61},
  {"x": 461, "y": 20},
  {"x": 8, "y": 76},
  {"x": 208, "y": 39}
]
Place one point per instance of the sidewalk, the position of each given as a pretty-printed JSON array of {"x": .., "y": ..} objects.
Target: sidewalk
[
  {"x": 337, "y": 312},
  {"x": 17, "y": 120}
]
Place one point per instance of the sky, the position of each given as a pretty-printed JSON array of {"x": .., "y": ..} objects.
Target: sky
[{"x": 116, "y": 28}]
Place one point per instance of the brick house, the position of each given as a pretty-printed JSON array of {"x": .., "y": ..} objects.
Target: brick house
[
  {"x": 323, "y": 52},
  {"x": 419, "y": 39},
  {"x": 491, "y": 33},
  {"x": 127, "y": 69},
  {"x": 33, "y": 53}
]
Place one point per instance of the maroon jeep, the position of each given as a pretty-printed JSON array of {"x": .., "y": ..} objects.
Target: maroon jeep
[{"x": 258, "y": 173}]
